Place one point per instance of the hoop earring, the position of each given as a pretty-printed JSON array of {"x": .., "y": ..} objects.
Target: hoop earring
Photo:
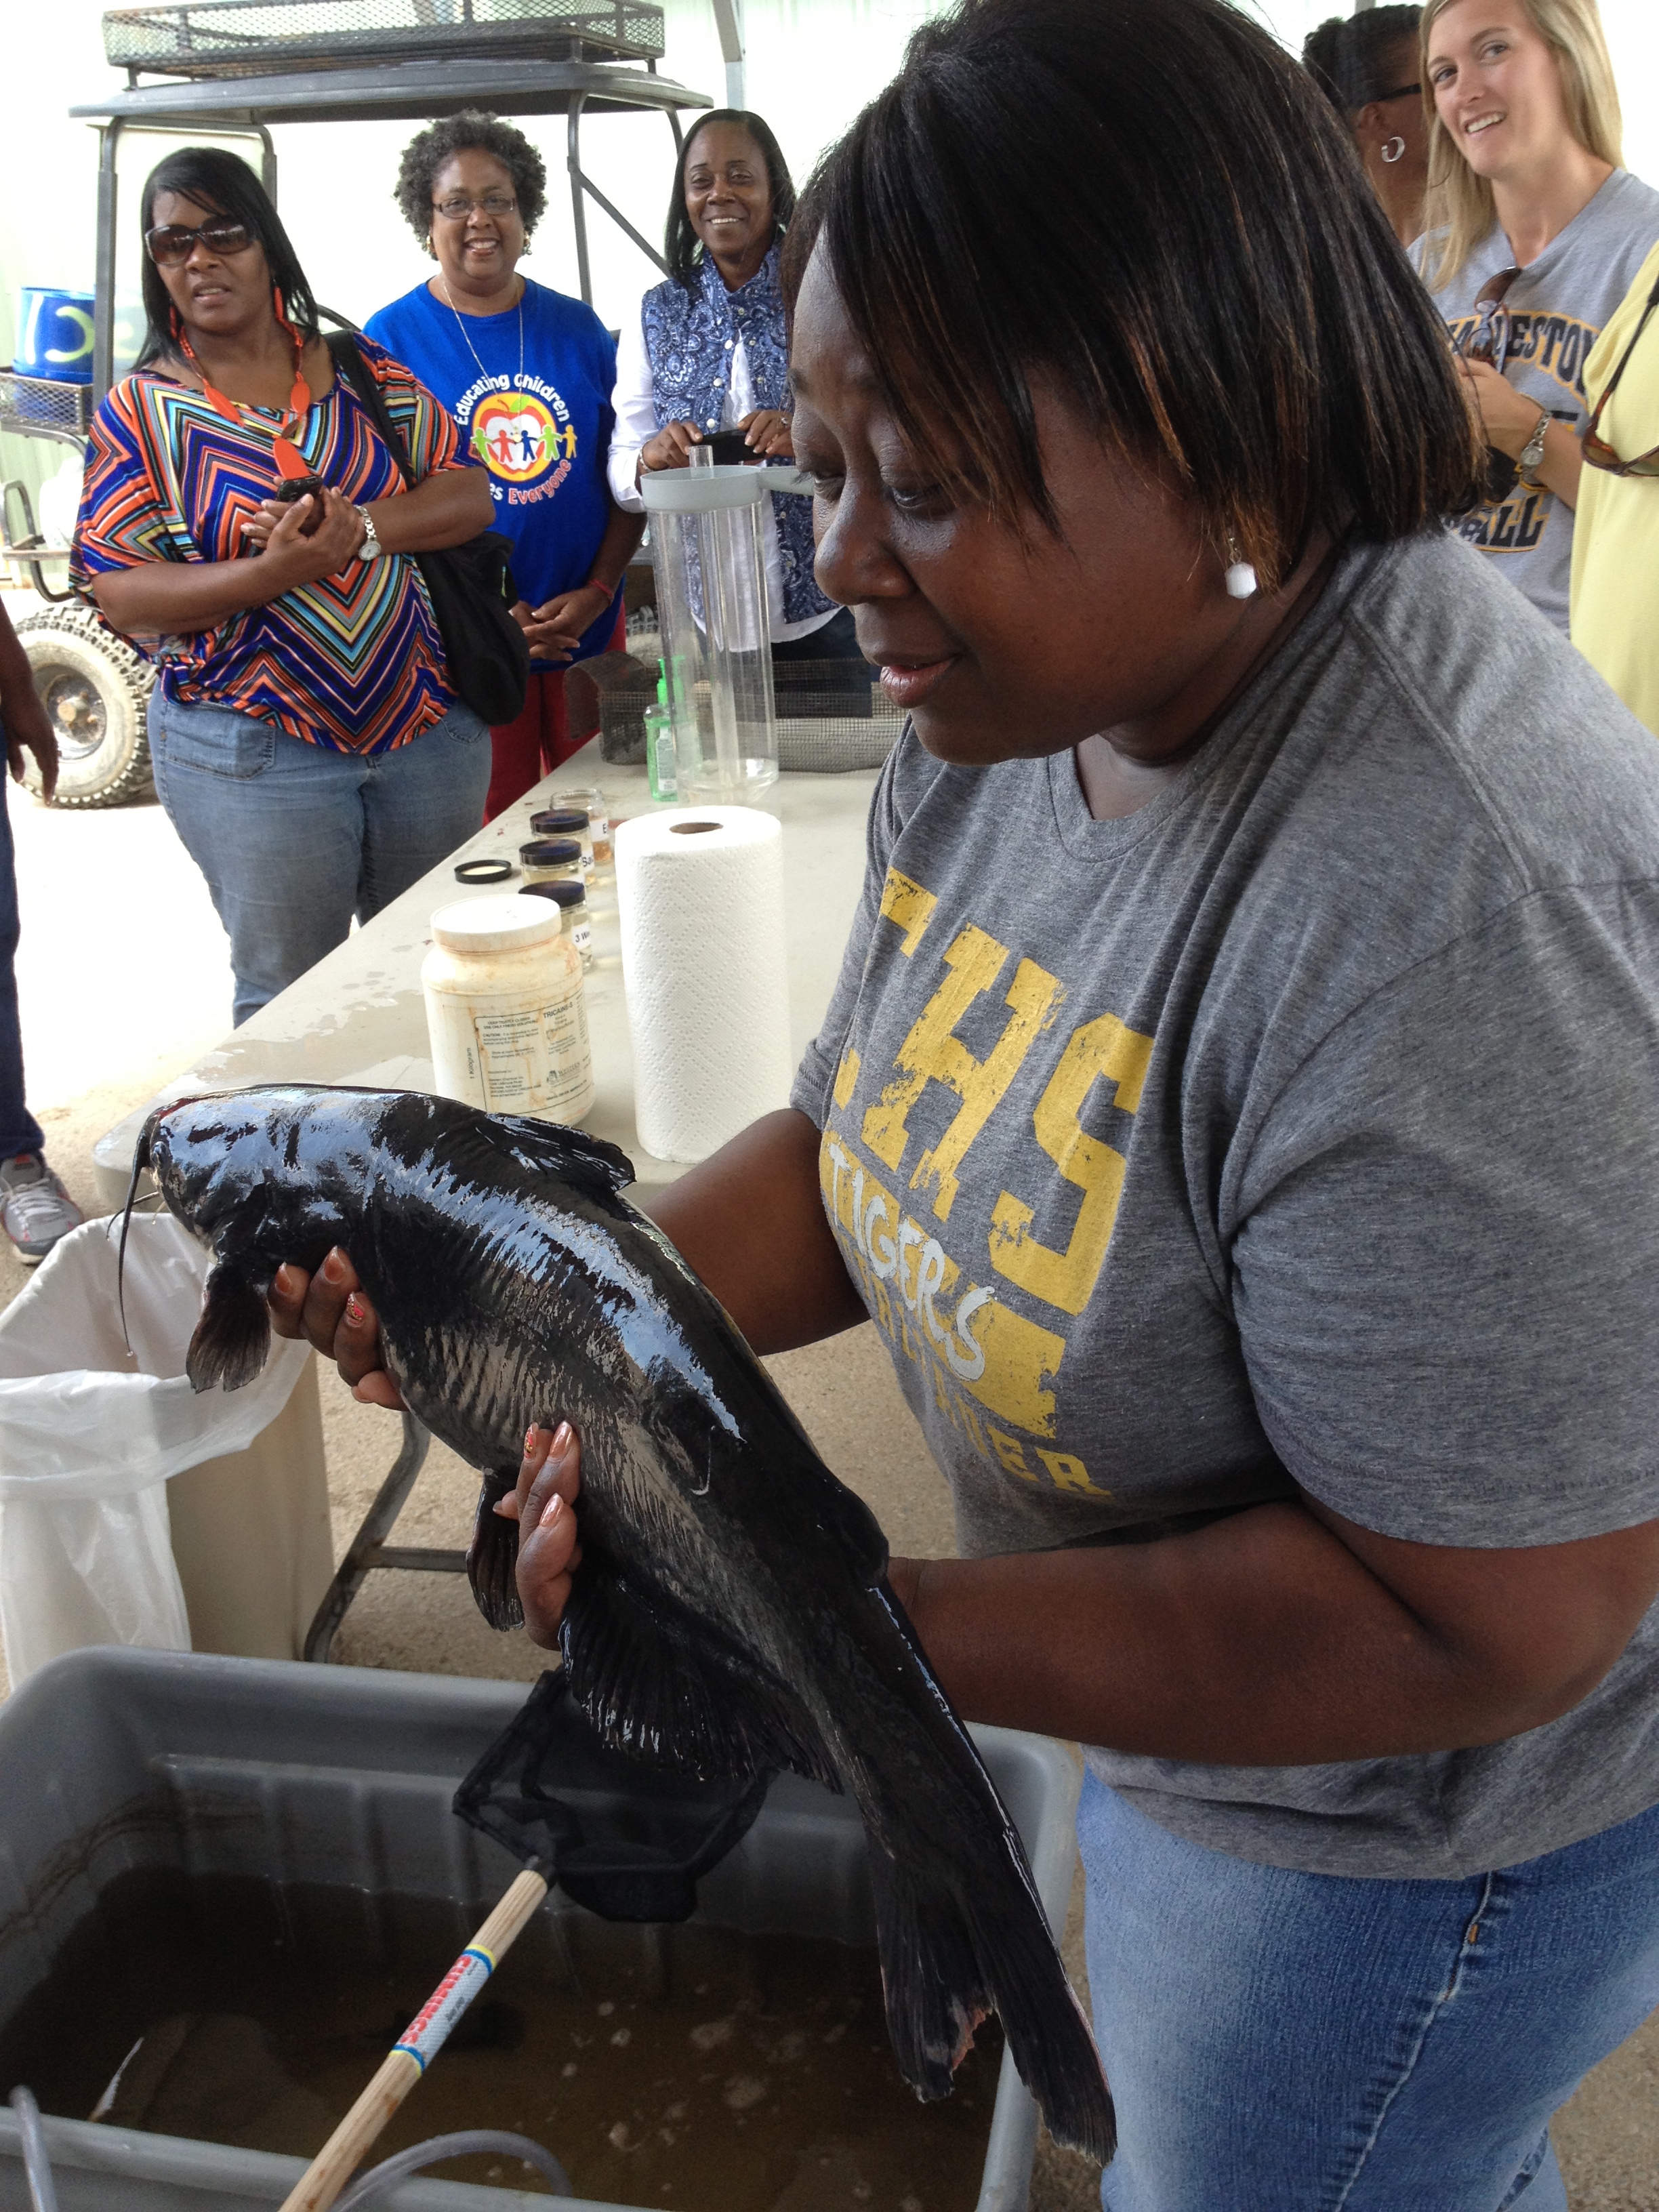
[
  {"x": 1393, "y": 149},
  {"x": 1241, "y": 578}
]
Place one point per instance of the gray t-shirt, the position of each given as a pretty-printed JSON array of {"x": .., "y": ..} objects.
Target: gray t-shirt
[
  {"x": 1304, "y": 1124},
  {"x": 1557, "y": 307}
]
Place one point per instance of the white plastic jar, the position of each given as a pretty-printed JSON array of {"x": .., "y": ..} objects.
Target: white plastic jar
[{"x": 505, "y": 1008}]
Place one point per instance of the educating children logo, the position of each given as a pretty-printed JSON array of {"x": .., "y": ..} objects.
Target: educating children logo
[{"x": 521, "y": 430}]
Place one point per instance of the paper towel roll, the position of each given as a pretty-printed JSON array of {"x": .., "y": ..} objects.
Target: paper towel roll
[{"x": 701, "y": 896}]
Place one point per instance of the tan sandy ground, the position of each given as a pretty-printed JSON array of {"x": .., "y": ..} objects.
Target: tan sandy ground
[{"x": 845, "y": 1394}]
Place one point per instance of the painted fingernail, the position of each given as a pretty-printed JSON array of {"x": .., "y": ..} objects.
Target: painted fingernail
[
  {"x": 356, "y": 1312},
  {"x": 530, "y": 1439},
  {"x": 563, "y": 1437}
]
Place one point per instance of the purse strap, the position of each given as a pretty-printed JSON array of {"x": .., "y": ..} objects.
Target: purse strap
[{"x": 349, "y": 362}]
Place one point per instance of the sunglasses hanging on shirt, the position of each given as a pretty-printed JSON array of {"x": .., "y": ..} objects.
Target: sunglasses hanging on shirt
[{"x": 1598, "y": 454}]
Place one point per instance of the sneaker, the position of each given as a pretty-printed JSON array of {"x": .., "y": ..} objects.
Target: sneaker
[{"x": 35, "y": 1209}]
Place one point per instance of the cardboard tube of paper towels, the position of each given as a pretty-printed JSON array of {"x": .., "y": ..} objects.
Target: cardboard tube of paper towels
[{"x": 701, "y": 894}]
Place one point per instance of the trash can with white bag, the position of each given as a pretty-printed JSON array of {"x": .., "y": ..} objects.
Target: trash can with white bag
[{"x": 133, "y": 1510}]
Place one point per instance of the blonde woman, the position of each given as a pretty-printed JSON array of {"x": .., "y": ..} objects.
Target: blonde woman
[{"x": 1535, "y": 233}]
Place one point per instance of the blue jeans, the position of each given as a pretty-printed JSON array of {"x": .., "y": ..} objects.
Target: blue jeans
[
  {"x": 19, "y": 1130},
  {"x": 1280, "y": 2042},
  {"x": 294, "y": 841}
]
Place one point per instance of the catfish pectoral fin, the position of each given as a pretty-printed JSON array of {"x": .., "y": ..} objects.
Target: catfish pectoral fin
[
  {"x": 492, "y": 1557},
  {"x": 233, "y": 1336},
  {"x": 654, "y": 1682}
]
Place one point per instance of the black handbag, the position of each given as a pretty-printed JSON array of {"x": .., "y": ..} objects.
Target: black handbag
[{"x": 471, "y": 585}]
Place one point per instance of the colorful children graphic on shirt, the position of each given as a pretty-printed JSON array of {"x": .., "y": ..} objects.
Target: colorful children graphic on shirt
[{"x": 520, "y": 429}]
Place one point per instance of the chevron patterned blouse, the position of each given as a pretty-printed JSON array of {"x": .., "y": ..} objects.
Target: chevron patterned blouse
[{"x": 353, "y": 662}]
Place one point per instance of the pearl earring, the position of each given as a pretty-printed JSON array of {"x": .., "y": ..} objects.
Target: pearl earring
[
  {"x": 1240, "y": 577},
  {"x": 1393, "y": 149}
]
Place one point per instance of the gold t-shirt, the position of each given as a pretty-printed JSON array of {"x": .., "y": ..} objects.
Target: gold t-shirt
[{"x": 1615, "y": 550}]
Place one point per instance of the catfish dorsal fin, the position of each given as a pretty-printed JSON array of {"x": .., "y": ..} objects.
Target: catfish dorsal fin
[
  {"x": 233, "y": 1335},
  {"x": 588, "y": 1162}
]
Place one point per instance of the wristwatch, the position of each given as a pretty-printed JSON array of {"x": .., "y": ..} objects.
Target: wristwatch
[
  {"x": 1532, "y": 452},
  {"x": 371, "y": 545}
]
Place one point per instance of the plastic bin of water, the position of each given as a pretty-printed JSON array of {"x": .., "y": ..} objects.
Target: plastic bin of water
[{"x": 118, "y": 1767}]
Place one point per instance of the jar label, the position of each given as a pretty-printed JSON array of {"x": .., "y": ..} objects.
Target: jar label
[{"x": 513, "y": 1058}]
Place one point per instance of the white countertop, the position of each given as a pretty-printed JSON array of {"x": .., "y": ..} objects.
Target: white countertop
[{"x": 358, "y": 1017}]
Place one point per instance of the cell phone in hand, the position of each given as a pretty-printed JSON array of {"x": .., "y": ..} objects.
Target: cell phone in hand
[
  {"x": 730, "y": 449},
  {"x": 293, "y": 488}
]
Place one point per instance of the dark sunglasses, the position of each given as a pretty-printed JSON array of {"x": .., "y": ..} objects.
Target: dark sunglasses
[
  {"x": 1489, "y": 341},
  {"x": 1399, "y": 92},
  {"x": 170, "y": 243},
  {"x": 1596, "y": 451}
]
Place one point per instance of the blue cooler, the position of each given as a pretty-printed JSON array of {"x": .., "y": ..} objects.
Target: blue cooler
[{"x": 54, "y": 335}]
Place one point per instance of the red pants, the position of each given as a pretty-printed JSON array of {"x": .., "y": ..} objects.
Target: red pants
[{"x": 539, "y": 739}]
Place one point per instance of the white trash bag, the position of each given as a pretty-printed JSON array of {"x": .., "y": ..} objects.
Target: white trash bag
[{"x": 90, "y": 1434}]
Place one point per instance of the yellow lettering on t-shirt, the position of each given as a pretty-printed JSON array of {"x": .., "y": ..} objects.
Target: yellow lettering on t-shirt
[
  {"x": 1008, "y": 1451},
  {"x": 1101, "y": 1048},
  {"x": 1008, "y": 1362},
  {"x": 910, "y": 906},
  {"x": 1021, "y": 1361},
  {"x": 1069, "y": 1472},
  {"x": 934, "y": 1053},
  {"x": 847, "y": 1076}
]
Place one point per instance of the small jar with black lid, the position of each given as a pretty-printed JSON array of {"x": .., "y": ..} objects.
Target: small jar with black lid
[
  {"x": 566, "y": 821},
  {"x": 569, "y": 895},
  {"x": 545, "y": 860}
]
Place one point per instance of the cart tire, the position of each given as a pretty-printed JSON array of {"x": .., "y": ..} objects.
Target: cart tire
[{"x": 96, "y": 688}]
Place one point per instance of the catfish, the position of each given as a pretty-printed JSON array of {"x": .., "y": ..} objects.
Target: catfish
[{"x": 732, "y": 1613}]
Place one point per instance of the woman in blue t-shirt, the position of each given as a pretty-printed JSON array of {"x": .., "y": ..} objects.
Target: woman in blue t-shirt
[{"x": 527, "y": 374}]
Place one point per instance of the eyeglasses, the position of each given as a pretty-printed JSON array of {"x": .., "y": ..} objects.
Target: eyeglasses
[
  {"x": 458, "y": 207},
  {"x": 170, "y": 243},
  {"x": 1489, "y": 341},
  {"x": 1596, "y": 450},
  {"x": 1399, "y": 92}
]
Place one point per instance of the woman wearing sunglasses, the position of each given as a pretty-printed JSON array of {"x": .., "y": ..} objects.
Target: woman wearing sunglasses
[
  {"x": 1236, "y": 1113},
  {"x": 1616, "y": 548},
  {"x": 1366, "y": 65},
  {"x": 308, "y": 744},
  {"x": 1535, "y": 233}
]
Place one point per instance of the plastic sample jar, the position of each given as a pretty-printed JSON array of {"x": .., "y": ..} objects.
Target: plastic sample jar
[
  {"x": 569, "y": 895},
  {"x": 505, "y": 1008},
  {"x": 566, "y": 821},
  {"x": 545, "y": 858}
]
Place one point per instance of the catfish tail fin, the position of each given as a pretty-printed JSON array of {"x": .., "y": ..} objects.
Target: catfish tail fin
[
  {"x": 492, "y": 1557},
  {"x": 948, "y": 1958}
]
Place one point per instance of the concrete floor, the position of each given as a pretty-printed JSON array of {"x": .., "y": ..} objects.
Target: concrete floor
[{"x": 122, "y": 981}]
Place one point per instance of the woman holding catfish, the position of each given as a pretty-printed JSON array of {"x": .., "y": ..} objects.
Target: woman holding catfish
[{"x": 1226, "y": 1110}]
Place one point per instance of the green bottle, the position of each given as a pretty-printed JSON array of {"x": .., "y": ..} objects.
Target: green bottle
[{"x": 660, "y": 763}]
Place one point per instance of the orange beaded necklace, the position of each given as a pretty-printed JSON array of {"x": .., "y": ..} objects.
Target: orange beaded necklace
[{"x": 290, "y": 461}]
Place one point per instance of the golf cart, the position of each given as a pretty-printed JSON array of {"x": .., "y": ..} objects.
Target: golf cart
[{"x": 234, "y": 68}]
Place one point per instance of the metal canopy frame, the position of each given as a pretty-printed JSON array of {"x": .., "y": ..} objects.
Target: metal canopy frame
[{"x": 393, "y": 93}]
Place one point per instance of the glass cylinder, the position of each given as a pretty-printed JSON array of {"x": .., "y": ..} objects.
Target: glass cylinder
[{"x": 716, "y": 637}]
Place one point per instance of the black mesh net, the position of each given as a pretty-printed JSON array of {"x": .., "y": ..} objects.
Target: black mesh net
[
  {"x": 248, "y": 37},
  {"x": 40, "y": 405},
  {"x": 627, "y": 1839}
]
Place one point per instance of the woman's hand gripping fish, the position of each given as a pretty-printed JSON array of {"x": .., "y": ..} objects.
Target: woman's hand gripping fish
[{"x": 731, "y": 1611}]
